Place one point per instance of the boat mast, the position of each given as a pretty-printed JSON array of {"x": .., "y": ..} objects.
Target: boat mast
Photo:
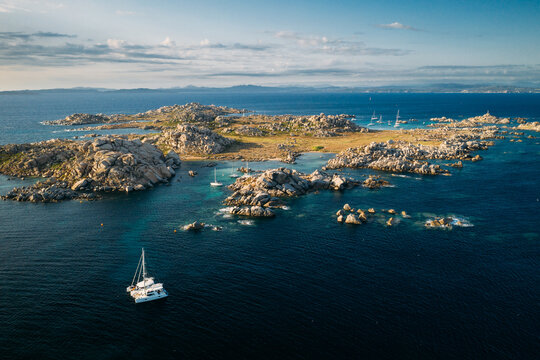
[
  {"x": 144, "y": 269},
  {"x": 136, "y": 272}
]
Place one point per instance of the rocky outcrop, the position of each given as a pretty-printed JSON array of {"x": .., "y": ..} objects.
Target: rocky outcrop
[
  {"x": 194, "y": 226},
  {"x": 190, "y": 139},
  {"x": 374, "y": 182},
  {"x": 248, "y": 131},
  {"x": 321, "y": 125},
  {"x": 445, "y": 222},
  {"x": 350, "y": 215},
  {"x": 534, "y": 126},
  {"x": 268, "y": 189},
  {"x": 252, "y": 211},
  {"x": 110, "y": 163},
  {"x": 80, "y": 119},
  {"x": 487, "y": 118},
  {"x": 189, "y": 113},
  {"x": 405, "y": 157},
  {"x": 47, "y": 191}
]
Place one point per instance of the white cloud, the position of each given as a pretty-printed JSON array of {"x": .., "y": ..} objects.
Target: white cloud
[
  {"x": 115, "y": 43},
  {"x": 205, "y": 42},
  {"x": 323, "y": 44},
  {"x": 168, "y": 42},
  {"x": 397, "y": 26}
]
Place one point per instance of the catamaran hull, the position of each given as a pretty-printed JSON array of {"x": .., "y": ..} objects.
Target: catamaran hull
[{"x": 150, "y": 298}]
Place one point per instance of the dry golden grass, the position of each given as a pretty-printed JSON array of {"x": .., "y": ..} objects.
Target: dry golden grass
[{"x": 266, "y": 147}]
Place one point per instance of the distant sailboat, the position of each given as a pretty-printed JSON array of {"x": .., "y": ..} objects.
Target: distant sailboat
[
  {"x": 380, "y": 120},
  {"x": 373, "y": 117},
  {"x": 145, "y": 289},
  {"x": 215, "y": 182},
  {"x": 397, "y": 119},
  {"x": 233, "y": 174}
]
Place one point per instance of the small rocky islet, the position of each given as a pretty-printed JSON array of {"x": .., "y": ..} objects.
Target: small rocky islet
[
  {"x": 85, "y": 169},
  {"x": 390, "y": 217}
]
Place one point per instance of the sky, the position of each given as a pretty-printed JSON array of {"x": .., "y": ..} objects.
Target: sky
[{"x": 162, "y": 44}]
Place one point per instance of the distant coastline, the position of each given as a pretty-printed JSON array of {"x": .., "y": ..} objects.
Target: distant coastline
[{"x": 414, "y": 89}]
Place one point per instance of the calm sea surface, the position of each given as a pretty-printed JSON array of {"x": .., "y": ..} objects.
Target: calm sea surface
[{"x": 299, "y": 285}]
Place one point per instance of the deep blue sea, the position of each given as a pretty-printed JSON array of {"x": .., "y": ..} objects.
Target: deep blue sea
[{"x": 298, "y": 286}]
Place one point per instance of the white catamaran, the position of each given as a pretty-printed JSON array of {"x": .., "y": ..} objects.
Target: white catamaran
[{"x": 145, "y": 289}]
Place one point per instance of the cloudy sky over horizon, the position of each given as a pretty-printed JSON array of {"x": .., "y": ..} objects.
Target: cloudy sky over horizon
[{"x": 131, "y": 44}]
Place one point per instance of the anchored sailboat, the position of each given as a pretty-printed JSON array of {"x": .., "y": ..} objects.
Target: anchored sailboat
[
  {"x": 145, "y": 289},
  {"x": 397, "y": 119},
  {"x": 233, "y": 174},
  {"x": 215, "y": 182}
]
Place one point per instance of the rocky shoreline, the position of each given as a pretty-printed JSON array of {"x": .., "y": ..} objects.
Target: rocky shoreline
[
  {"x": 401, "y": 156},
  {"x": 256, "y": 195},
  {"x": 105, "y": 164},
  {"x": 84, "y": 169}
]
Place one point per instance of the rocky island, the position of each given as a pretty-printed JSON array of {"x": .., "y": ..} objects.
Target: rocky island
[
  {"x": 87, "y": 168},
  {"x": 256, "y": 195}
]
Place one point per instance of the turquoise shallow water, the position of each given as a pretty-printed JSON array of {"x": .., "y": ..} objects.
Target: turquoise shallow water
[{"x": 296, "y": 286}]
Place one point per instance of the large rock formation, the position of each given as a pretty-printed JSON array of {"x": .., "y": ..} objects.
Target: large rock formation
[
  {"x": 487, "y": 118},
  {"x": 534, "y": 126},
  {"x": 189, "y": 113},
  {"x": 110, "y": 163},
  {"x": 252, "y": 194},
  {"x": 404, "y": 157},
  {"x": 190, "y": 139},
  {"x": 317, "y": 125}
]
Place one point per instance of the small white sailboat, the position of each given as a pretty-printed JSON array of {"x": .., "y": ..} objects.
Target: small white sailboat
[
  {"x": 145, "y": 289},
  {"x": 380, "y": 120},
  {"x": 396, "y": 124},
  {"x": 373, "y": 117},
  {"x": 233, "y": 174},
  {"x": 215, "y": 182}
]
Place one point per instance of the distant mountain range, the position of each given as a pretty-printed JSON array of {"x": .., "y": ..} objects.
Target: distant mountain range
[{"x": 434, "y": 88}]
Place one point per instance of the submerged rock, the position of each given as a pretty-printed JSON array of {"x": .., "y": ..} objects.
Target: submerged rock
[
  {"x": 374, "y": 182},
  {"x": 194, "y": 226}
]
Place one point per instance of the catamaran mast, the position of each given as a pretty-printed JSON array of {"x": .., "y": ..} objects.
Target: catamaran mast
[
  {"x": 136, "y": 272},
  {"x": 143, "y": 265}
]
